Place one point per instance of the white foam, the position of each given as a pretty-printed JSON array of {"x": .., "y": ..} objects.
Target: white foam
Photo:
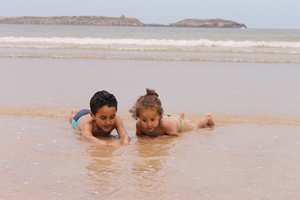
[{"x": 148, "y": 42}]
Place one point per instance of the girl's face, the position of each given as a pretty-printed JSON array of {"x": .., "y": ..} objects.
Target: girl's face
[
  {"x": 105, "y": 118},
  {"x": 149, "y": 118}
]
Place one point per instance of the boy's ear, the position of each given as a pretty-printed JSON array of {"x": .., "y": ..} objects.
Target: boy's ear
[{"x": 92, "y": 115}]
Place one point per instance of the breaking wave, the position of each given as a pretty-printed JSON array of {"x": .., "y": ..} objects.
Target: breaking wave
[{"x": 148, "y": 42}]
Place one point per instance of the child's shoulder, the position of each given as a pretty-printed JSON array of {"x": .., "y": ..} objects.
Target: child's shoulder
[{"x": 165, "y": 121}]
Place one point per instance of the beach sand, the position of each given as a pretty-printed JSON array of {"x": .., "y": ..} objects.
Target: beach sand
[{"x": 251, "y": 153}]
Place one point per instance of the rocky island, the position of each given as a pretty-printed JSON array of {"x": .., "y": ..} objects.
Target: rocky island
[
  {"x": 208, "y": 23},
  {"x": 116, "y": 21},
  {"x": 73, "y": 20}
]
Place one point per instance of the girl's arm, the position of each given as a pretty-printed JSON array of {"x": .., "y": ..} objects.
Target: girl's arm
[
  {"x": 162, "y": 137},
  {"x": 138, "y": 130},
  {"x": 169, "y": 127}
]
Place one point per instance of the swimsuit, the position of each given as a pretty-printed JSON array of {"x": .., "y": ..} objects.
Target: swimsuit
[
  {"x": 79, "y": 116},
  {"x": 181, "y": 121}
]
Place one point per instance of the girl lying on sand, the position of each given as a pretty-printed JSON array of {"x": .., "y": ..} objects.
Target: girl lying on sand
[{"x": 152, "y": 121}]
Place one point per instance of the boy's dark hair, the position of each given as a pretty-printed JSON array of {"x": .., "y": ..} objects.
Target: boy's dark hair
[{"x": 102, "y": 98}]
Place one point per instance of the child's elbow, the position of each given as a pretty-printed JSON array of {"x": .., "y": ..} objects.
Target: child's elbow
[{"x": 173, "y": 134}]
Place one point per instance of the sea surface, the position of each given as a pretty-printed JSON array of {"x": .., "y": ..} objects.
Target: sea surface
[{"x": 248, "y": 79}]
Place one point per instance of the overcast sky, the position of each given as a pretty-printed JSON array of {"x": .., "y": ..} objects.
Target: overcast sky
[{"x": 283, "y": 14}]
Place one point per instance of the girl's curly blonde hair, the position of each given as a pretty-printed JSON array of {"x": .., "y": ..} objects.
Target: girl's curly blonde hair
[{"x": 149, "y": 100}]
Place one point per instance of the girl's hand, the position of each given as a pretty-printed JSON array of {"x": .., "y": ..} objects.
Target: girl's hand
[{"x": 143, "y": 136}]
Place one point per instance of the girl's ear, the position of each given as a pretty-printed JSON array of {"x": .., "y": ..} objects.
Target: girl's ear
[{"x": 92, "y": 115}]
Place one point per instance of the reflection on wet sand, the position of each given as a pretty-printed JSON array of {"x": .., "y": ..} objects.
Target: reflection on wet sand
[
  {"x": 152, "y": 154},
  {"x": 100, "y": 170},
  {"x": 115, "y": 171},
  {"x": 149, "y": 167}
]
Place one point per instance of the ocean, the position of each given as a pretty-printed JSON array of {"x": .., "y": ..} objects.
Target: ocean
[{"x": 248, "y": 79}]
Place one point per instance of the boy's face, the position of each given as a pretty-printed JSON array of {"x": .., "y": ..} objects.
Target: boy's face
[
  {"x": 149, "y": 118},
  {"x": 105, "y": 118}
]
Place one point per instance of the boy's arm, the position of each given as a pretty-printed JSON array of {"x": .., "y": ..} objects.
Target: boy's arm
[
  {"x": 125, "y": 139},
  {"x": 86, "y": 132}
]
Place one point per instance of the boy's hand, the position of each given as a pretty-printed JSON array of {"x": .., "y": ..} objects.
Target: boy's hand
[{"x": 125, "y": 142}]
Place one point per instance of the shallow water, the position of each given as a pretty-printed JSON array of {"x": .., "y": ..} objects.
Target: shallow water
[
  {"x": 251, "y": 153},
  {"x": 237, "y": 161},
  {"x": 234, "y": 92}
]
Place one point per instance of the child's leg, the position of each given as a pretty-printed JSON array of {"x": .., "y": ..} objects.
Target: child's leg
[
  {"x": 202, "y": 123},
  {"x": 181, "y": 115},
  {"x": 73, "y": 113}
]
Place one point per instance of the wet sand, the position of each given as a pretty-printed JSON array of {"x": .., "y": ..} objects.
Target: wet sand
[{"x": 251, "y": 153}]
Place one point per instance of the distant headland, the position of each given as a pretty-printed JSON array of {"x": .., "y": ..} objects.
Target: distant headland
[{"x": 117, "y": 21}]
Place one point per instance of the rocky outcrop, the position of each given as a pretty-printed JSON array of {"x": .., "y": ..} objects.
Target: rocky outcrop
[
  {"x": 73, "y": 20},
  {"x": 113, "y": 21},
  {"x": 209, "y": 23}
]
